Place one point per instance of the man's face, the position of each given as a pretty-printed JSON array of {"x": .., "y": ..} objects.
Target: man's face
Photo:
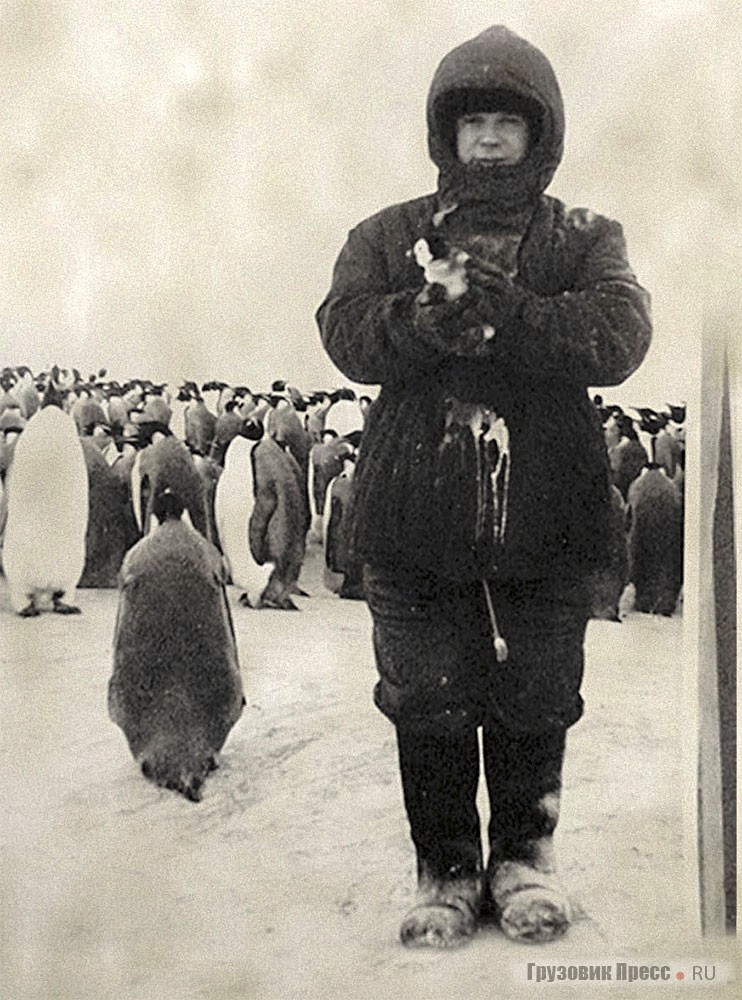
[{"x": 491, "y": 137}]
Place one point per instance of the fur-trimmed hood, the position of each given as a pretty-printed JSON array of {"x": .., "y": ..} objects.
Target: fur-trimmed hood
[{"x": 497, "y": 60}]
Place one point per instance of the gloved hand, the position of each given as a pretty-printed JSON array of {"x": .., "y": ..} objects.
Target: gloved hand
[
  {"x": 444, "y": 323},
  {"x": 502, "y": 296}
]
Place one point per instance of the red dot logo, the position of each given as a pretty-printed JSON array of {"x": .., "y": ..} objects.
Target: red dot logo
[{"x": 680, "y": 975}]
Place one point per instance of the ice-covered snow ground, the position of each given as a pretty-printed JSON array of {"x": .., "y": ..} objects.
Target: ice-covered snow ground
[{"x": 289, "y": 879}]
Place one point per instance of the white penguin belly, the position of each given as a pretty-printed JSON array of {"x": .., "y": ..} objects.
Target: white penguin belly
[
  {"x": 233, "y": 506},
  {"x": 44, "y": 545}
]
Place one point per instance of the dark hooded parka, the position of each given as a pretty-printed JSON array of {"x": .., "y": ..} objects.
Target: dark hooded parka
[{"x": 483, "y": 455}]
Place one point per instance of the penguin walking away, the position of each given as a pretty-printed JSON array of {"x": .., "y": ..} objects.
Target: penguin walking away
[
  {"x": 176, "y": 689},
  {"x": 47, "y": 515}
]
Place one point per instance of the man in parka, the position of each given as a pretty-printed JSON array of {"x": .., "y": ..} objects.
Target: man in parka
[{"x": 482, "y": 484}]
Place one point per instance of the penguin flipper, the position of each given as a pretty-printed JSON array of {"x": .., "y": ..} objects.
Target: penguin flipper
[{"x": 266, "y": 503}]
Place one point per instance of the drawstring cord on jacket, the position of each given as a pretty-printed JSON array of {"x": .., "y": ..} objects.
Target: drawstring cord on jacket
[{"x": 501, "y": 647}]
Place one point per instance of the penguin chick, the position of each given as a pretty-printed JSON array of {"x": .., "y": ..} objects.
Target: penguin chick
[{"x": 448, "y": 271}]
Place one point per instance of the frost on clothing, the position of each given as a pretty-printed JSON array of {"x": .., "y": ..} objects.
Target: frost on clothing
[
  {"x": 582, "y": 320},
  {"x": 483, "y": 455}
]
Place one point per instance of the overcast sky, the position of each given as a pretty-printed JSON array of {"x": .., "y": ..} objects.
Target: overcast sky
[{"x": 176, "y": 178}]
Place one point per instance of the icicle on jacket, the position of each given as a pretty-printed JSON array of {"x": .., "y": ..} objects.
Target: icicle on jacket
[{"x": 485, "y": 457}]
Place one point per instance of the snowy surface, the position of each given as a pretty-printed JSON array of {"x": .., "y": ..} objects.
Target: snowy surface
[{"x": 290, "y": 878}]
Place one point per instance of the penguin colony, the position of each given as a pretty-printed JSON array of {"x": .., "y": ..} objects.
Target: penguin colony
[{"x": 178, "y": 491}]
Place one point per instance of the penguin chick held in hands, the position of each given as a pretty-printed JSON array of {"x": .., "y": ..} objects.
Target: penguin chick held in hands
[{"x": 442, "y": 264}]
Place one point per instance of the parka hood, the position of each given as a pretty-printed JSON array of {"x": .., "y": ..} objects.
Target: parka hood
[{"x": 502, "y": 65}]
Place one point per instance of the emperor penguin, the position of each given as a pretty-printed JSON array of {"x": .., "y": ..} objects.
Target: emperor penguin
[
  {"x": 343, "y": 572},
  {"x": 279, "y": 522},
  {"x": 47, "y": 518},
  {"x": 166, "y": 462},
  {"x": 654, "y": 520},
  {"x": 200, "y": 422},
  {"x": 234, "y": 505},
  {"x": 176, "y": 688},
  {"x": 27, "y": 392},
  {"x": 325, "y": 462},
  {"x": 111, "y": 526}
]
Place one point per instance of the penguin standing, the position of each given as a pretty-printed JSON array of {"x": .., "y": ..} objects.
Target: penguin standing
[
  {"x": 228, "y": 425},
  {"x": 200, "y": 422},
  {"x": 655, "y": 533},
  {"x": 318, "y": 404},
  {"x": 278, "y": 525},
  {"x": 343, "y": 573},
  {"x": 176, "y": 689},
  {"x": 111, "y": 526},
  {"x": 27, "y": 392},
  {"x": 166, "y": 462},
  {"x": 234, "y": 504},
  {"x": 155, "y": 407},
  {"x": 628, "y": 456},
  {"x": 44, "y": 543},
  {"x": 87, "y": 411},
  {"x": 325, "y": 462},
  {"x": 11, "y": 425}
]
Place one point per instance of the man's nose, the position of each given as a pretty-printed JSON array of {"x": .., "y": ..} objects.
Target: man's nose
[{"x": 490, "y": 134}]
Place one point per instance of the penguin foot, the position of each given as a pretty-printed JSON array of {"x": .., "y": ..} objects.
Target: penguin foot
[
  {"x": 279, "y": 604},
  {"x": 296, "y": 589},
  {"x": 66, "y": 609},
  {"x": 60, "y": 607},
  {"x": 244, "y": 601},
  {"x": 30, "y": 611}
]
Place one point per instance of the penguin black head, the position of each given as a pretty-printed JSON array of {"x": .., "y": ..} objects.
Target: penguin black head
[
  {"x": 53, "y": 395},
  {"x": 146, "y": 430},
  {"x": 253, "y": 430},
  {"x": 167, "y": 506},
  {"x": 354, "y": 438},
  {"x": 676, "y": 413},
  {"x": 651, "y": 421}
]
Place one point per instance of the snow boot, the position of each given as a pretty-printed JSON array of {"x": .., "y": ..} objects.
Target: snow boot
[
  {"x": 440, "y": 773},
  {"x": 446, "y": 911},
  {"x": 524, "y": 781}
]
